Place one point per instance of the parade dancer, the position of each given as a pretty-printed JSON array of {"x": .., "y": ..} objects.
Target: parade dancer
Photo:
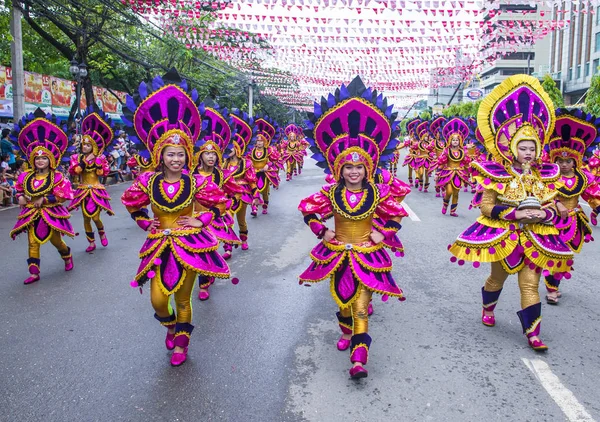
[
  {"x": 304, "y": 145},
  {"x": 243, "y": 172},
  {"x": 351, "y": 137},
  {"x": 412, "y": 147},
  {"x": 293, "y": 152},
  {"x": 425, "y": 156},
  {"x": 439, "y": 145},
  {"x": 212, "y": 151},
  {"x": 42, "y": 189},
  {"x": 87, "y": 167},
  {"x": 516, "y": 232},
  {"x": 265, "y": 160},
  {"x": 575, "y": 135},
  {"x": 139, "y": 164},
  {"x": 165, "y": 117},
  {"x": 453, "y": 165}
]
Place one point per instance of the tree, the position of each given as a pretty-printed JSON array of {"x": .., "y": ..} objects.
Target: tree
[
  {"x": 552, "y": 90},
  {"x": 425, "y": 115},
  {"x": 592, "y": 100},
  {"x": 403, "y": 124}
]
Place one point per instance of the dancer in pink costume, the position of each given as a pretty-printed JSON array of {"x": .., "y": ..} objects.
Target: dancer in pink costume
[
  {"x": 212, "y": 150},
  {"x": 439, "y": 145},
  {"x": 571, "y": 144},
  {"x": 87, "y": 167},
  {"x": 453, "y": 164},
  {"x": 412, "y": 146},
  {"x": 266, "y": 160},
  {"x": 293, "y": 150},
  {"x": 425, "y": 156},
  {"x": 165, "y": 117},
  {"x": 351, "y": 134},
  {"x": 42, "y": 190},
  {"x": 243, "y": 172}
]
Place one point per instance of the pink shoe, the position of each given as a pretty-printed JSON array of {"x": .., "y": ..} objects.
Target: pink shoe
[
  {"x": 177, "y": 359},
  {"x": 227, "y": 255},
  {"x": 244, "y": 246},
  {"x": 358, "y": 372},
  {"x": 91, "y": 248},
  {"x": 537, "y": 345},
  {"x": 437, "y": 195},
  {"x": 32, "y": 279},
  {"x": 254, "y": 212},
  {"x": 264, "y": 211},
  {"x": 103, "y": 240},
  {"x": 203, "y": 295},
  {"x": 343, "y": 344},
  {"x": 488, "y": 320},
  {"x": 170, "y": 341},
  {"x": 69, "y": 263}
]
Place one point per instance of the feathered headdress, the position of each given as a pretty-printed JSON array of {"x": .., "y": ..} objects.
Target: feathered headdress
[
  {"x": 97, "y": 130},
  {"x": 242, "y": 125},
  {"x": 216, "y": 136},
  {"x": 411, "y": 127},
  {"x": 422, "y": 130},
  {"x": 265, "y": 129},
  {"x": 516, "y": 110},
  {"x": 436, "y": 130},
  {"x": 575, "y": 135},
  {"x": 41, "y": 134},
  {"x": 292, "y": 130},
  {"x": 456, "y": 127},
  {"x": 353, "y": 126},
  {"x": 164, "y": 114}
]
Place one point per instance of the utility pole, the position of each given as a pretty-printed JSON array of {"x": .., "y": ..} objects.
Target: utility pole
[
  {"x": 250, "y": 101},
  {"x": 16, "y": 50}
]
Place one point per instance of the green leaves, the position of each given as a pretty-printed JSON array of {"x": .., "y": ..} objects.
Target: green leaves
[{"x": 553, "y": 92}]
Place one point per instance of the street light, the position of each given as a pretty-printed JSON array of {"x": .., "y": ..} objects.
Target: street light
[{"x": 79, "y": 72}]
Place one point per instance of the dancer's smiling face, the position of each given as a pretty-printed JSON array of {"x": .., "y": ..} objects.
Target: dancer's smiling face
[
  {"x": 42, "y": 162},
  {"x": 174, "y": 158},
  {"x": 209, "y": 158},
  {"x": 353, "y": 174}
]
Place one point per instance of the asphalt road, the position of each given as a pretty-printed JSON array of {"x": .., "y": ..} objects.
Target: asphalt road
[{"x": 83, "y": 345}]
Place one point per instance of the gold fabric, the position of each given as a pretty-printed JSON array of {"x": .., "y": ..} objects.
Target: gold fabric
[
  {"x": 359, "y": 311},
  {"x": 488, "y": 202},
  {"x": 87, "y": 223},
  {"x": 55, "y": 238},
  {"x": 569, "y": 203},
  {"x": 528, "y": 279},
  {"x": 89, "y": 177},
  {"x": 451, "y": 191},
  {"x": 168, "y": 220},
  {"x": 183, "y": 299},
  {"x": 241, "y": 217},
  {"x": 265, "y": 193},
  {"x": 353, "y": 231}
]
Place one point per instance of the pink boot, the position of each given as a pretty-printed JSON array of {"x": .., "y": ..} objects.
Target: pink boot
[{"x": 68, "y": 258}]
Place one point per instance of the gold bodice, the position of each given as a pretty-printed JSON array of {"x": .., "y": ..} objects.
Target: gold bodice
[
  {"x": 524, "y": 185},
  {"x": 89, "y": 177},
  {"x": 353, "y": 231},
  {"x": 259, "y": 162},
  {"x": 168, "y": 220},
  {"x": 569, "y": 203}
]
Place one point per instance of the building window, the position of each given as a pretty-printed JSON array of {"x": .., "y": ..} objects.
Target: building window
[
  {"x": 559, "y": 75},
  {"x": 595, "y": 65},
  {"x": 587, "y": 69},
  {"x": 570, "y": 75},
  {"x": 578, "y": 72},
  {"x": 597, "y": 48}
]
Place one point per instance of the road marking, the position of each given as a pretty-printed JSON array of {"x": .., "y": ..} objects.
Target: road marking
[
  {"x": 564, "y": 398},
  {"x": 411, "y": 213}
]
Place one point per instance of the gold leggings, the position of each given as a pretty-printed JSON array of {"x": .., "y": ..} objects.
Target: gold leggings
[
  {"x": 55, "y": 238},
  {"x": 529, "y": 282},
  {"x": 423, "y": 175},
  {"x": 265, "y": 193},
  {"x": 359, "y": 311},
  {"x": 451, "y": 191},
  {"x": 87, "y": 223},
  {"x": 183, "y": 299},
  {"x": 291, "y": 166},
  {"x": 241, "y": 217},
  {"x": 410, "y": 172}
]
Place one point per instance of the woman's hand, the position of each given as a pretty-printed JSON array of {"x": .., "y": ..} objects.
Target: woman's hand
[
  {"x": 563, "y": 211},
  {"x": 256, "y": 202},
  {"x": 22, "y": 201},
  {"x": 266, "y": 167},
  {"x": 38, "y": 202},
  {"x": 187, "y": 221},
  {"x": 376, "y": 237},
  {"x": 329, "y": 235},
  {"x": 154, "y": 225}
]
